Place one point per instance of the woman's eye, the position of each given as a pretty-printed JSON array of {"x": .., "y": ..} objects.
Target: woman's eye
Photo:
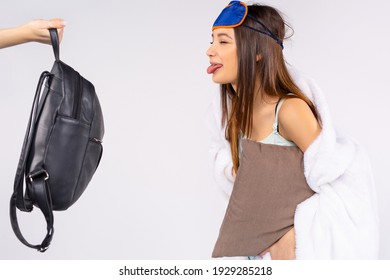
[{"x": 220, "y": 42}]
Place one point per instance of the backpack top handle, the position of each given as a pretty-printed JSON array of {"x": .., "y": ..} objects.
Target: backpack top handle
[{"x": 55, "y": 42}]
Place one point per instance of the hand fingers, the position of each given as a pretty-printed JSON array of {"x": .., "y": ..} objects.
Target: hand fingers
[
  {"x": 56, "y": 23},
  {"x": 60, "y": 33},
  {"x": 264, "y": 252}
]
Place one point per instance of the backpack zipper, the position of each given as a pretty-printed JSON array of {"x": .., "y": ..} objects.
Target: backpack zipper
[
  {"x": 94, "y": 139},
  {"x": 77, "y": 99}
]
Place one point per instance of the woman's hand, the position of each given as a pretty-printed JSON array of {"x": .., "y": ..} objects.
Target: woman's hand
[
  {"x": 233, "y": 172},
  {"x": 284, "y": 248},
  {"x": 37, "y": 30},
  {"x": 34, "y": 31}
]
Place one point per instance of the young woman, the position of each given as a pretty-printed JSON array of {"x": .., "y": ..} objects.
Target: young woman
[
  {"x": 261, "y": 109},
  {"x": 34, "y": 31}
]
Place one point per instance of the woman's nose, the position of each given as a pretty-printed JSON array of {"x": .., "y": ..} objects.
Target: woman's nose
[{"x": 210, "y": 51}]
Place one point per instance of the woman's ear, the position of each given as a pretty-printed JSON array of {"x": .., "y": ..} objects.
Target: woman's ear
[{"x": 258, "y": 57}]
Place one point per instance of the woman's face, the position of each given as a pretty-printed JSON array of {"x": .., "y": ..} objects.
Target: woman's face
[{"x": 223, "y": 57}]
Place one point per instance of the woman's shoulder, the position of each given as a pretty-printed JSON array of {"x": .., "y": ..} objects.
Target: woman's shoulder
[
  {"x": 294, "y": 108},
  {"x": 297, "y": 122}
]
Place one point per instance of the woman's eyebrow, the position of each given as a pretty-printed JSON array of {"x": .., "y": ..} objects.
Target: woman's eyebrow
[{"x": 221, "y": 35}]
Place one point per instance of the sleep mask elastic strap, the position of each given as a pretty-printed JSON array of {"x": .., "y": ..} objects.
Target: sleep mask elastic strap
[{"x": 270, "y": 33}]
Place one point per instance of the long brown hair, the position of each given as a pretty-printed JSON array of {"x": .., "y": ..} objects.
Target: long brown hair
[{"x": 269, "y": 72}]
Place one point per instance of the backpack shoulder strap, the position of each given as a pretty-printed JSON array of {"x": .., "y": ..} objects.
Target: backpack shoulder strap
[
  {"x": 43, "y": 200},
  {"x": 38, "y": 180}
]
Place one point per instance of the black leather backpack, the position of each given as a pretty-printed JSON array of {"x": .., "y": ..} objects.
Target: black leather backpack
[{"x": 62, "y": 147}]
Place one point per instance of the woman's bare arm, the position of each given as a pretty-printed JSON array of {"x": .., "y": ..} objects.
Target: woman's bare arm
[{"x": 34, "y": 31}]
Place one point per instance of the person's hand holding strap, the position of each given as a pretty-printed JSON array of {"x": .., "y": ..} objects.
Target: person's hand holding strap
[{"x": 34, "y": 31}]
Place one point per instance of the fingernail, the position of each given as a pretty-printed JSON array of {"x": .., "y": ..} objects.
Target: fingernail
[{"x": 64, "y": 23}]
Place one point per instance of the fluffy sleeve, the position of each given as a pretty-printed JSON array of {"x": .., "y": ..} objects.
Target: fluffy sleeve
[{"x": 341, "y": 220}]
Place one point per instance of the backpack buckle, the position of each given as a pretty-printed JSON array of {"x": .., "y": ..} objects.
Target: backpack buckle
[{"x": 37, "y": 174}]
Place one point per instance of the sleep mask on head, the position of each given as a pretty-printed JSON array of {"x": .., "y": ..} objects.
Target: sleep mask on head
[{"x": 234, "y": 15}]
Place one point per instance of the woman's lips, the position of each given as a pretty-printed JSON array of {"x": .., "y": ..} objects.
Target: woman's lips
[{"x": 213, "y": 67}]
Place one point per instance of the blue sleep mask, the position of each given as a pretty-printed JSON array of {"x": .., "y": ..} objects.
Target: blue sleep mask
[{"x": 234, "y": 15}]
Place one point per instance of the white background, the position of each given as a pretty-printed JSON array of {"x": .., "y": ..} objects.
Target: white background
[{"x": 153, "y": 196}]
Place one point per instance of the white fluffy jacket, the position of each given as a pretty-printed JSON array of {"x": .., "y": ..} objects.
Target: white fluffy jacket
[{"x": 340, "y": 221}]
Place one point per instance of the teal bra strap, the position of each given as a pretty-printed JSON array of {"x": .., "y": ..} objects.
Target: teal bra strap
[{"x": 276, "y": 122}]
